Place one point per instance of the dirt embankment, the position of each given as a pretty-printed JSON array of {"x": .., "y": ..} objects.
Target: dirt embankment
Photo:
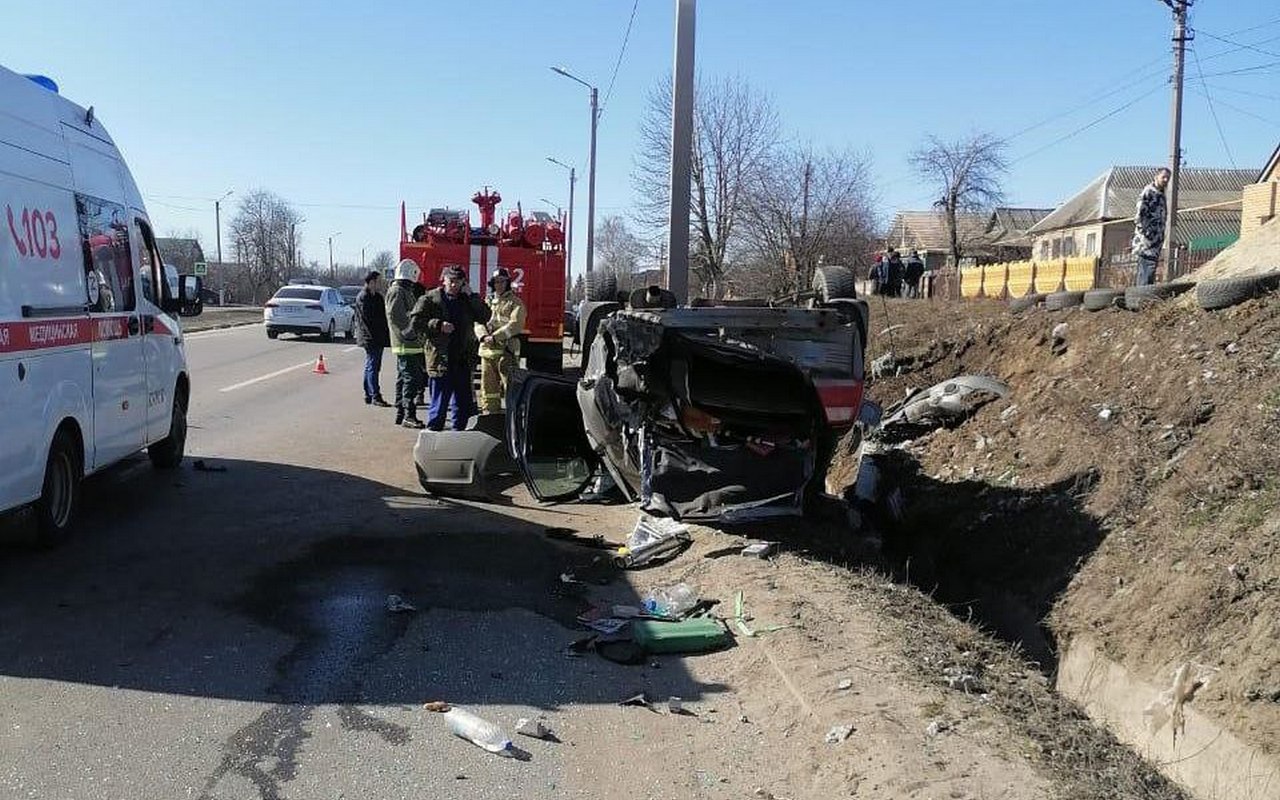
[{"x": 1127, "y": 488}]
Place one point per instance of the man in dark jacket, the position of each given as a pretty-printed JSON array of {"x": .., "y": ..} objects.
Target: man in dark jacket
[
  {"x": 373, "y": 335},
  {"x": 914, "y": 272},
  {"x": 445, "y": 318},
  {"x": 894, "y": 270}
]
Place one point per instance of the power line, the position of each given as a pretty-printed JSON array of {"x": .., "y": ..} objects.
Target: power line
[
  {"x": 1270, "y": 65},
  {"x": 177, "y": 207},
  {"x": 1212, "y": 111},
  {"x": 1149, "y": 75},
  {"x": 1245, "y": 92},
  {"x": 1244, "y": 111},
  {"x": 626, "y": 37},
  {"x": 1087, "y": 126},
  {"x": 1242, "y": 45},
  {"x": 1266, "y": 24}
]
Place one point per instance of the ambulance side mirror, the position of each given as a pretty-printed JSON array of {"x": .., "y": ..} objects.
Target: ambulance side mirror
[{"x": 190, "y": 299}]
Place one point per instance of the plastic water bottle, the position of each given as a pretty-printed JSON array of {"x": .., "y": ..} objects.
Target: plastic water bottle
[
  {"x": 478, "y": 731},
  {"x": 671, "y": 601}
]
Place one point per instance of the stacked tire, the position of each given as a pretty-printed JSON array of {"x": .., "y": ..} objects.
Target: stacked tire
[
  {"x": 1057, "y": 301},
  {"x": 1137, "y": 298},
  {"x": 1019, "y": 304},
  {"x": 1099, "y": 299},
  {"x": 1225, "y": 292}
]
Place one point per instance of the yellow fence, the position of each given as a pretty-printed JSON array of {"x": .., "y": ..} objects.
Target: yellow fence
[
  {"x": 1080, "y": 274},
  {"x": 1020, "y": 278},
  {"x": 970, "y": 282}
]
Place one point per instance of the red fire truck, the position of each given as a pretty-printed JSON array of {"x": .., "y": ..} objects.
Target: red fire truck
[{"x": 530, "y": 246}]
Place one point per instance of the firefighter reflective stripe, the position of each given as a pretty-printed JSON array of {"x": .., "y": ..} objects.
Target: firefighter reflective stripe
[{"x": 405, "y": 350}]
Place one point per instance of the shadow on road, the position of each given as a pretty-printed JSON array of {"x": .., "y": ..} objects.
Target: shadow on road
[{"x": 269, "y": 582}]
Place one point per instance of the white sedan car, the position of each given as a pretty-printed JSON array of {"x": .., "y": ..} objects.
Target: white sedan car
[{"x": 305, "y": 308}]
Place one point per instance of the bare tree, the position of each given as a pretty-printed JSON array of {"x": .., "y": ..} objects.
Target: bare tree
[
  {"x": 618, "y": 250},
  {"x": 264, "y": 231},
  {"x": 806, "y": 209},
  {"x": 735, "y": 128},
  {"x": 966, "y": 174},
  {"x": 384, "y": 262}
]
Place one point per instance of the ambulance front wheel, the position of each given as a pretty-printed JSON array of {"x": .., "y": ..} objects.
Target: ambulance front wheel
[
  {"x": 60, "y": 494},
  {"x": 168, "y": 452}
]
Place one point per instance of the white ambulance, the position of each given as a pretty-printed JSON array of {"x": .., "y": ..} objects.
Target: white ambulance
[{"x": 92, "y": 365}]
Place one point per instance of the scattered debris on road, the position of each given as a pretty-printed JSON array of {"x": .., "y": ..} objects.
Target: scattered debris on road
[
  {"x": 759, "y": 549},
  {"x": 437, "y": 706},
  {"x": 945, "y": 404},
  {"x": 838, "y": 734},
  {"x": 654, "y": 539},
  {"x": 478, "y": 731},
  {"x": 534, "y": 728}
]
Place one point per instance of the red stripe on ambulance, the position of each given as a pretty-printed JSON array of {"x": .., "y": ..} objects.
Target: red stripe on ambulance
[{"x": 45, "y": 334}]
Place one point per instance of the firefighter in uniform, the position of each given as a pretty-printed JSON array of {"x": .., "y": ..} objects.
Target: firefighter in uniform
[{"x": 499, "y": 341}]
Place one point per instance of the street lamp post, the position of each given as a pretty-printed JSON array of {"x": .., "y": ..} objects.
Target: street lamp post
[
  {"x": 217, "y": 221},
  {"x": 568, "y": 251},
  {"x": 591, "y": 165},
  {"x": 331, "y": 272}
]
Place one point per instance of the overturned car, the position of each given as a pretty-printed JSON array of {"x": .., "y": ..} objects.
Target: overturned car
[{"x": 714, "y": 413}]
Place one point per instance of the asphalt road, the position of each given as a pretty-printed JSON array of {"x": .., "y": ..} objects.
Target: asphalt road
[{"x": 224, "y": 634}]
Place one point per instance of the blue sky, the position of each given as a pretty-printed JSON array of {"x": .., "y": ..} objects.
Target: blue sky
[{"x": 346, "y": 110}]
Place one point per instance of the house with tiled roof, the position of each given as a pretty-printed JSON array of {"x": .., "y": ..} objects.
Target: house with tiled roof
[
  {"x": 1006, "y": 233},
  {"x": 1098, "y": 219},
  {"x": 926, "y": 233}
]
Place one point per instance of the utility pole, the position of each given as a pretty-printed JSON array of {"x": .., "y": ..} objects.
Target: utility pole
[
  {"x": 331, "y": 272},
  {"x": 217, "y": 222},
  {"x": 681, "y": 150},
  {"x": 591, "y": 184},
  {"x": 1180, "y": 39}
]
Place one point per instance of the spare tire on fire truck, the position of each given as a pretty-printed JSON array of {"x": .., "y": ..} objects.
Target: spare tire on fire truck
[{"x": 602, "y": 287}]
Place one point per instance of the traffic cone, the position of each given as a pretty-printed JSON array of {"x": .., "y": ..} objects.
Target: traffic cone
[{"x": 320, "y": 368}]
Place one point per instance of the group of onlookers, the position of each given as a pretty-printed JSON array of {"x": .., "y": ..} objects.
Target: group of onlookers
[
  {"x": 891, "y": 276},
  {"x": 438, "y": 336}
]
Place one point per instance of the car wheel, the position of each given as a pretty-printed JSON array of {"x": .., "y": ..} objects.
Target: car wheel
[
  {"x": 351, "y": 331},
  {"x": 60, "y": 493},
  {"x": 168, "y": 452},
  {"x": 272, "y": 334},
  {"x": 327, "y": 334},
  {"x": 833, "y": 282}
]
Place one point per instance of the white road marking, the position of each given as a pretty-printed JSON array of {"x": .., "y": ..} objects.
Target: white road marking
[
  {"x": 266, "y": 377},
  {"x": 215, "y": 331},
  {"x": 352, "y": 348}
]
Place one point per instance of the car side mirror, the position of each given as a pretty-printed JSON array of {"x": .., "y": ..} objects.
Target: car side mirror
[{"x": 190, "y": 295}]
